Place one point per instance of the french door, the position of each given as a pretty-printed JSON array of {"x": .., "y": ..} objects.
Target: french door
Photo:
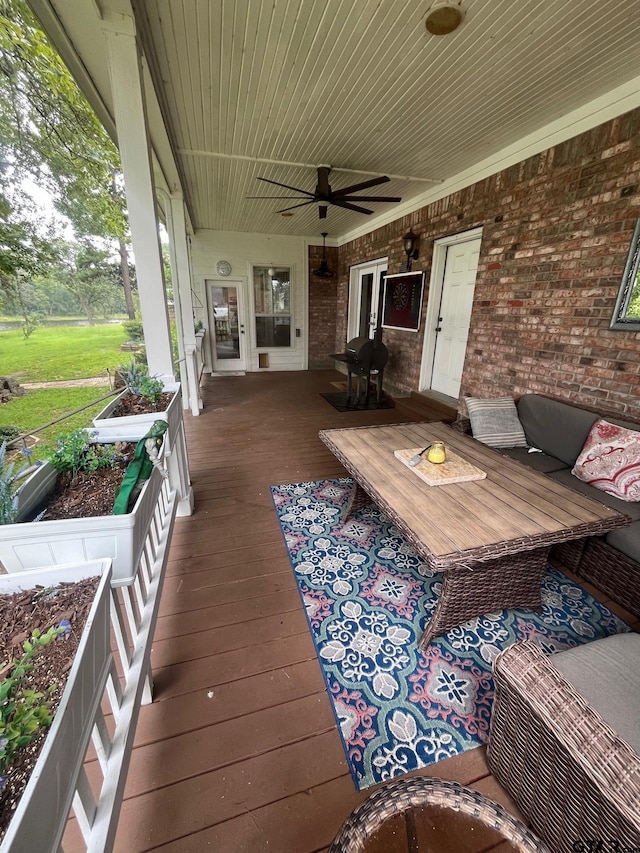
[
  {"x": 365, "y": 299},
  {"x": 227, "y": 322}
]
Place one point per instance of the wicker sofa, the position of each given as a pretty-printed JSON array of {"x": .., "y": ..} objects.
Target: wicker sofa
[
  {"x": 565, "y": 741},
  {"x": 559, "y": 430}
]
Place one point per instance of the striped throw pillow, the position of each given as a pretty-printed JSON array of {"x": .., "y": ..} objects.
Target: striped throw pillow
[
  {"x": 610, "y": 461},
  {"x": 496, "y": 422}
]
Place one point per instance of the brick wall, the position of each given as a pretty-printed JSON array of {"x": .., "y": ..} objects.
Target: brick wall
[
  {"x": 556, "y": 232},
  {"x": 323, "y": 307}
]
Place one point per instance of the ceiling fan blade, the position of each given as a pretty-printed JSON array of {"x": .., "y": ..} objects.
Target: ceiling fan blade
[
  {"x": 373, "y": 182},
  {"x": 323, "y": 188},
  {"x": 275, "y": 196},
  {"x": 348, "y": 206},
  {"x": 286, "y": 186},
  {"x": 369, "y": 198},
  {"x": 322, "y": 211},
  {"x": 293, "y": 206}
]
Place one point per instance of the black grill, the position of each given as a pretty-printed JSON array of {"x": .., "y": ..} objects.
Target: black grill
[{"x": 364, "y": 357}]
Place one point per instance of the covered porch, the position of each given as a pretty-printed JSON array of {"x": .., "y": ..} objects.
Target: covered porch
[{"x": 240, "y": 749}]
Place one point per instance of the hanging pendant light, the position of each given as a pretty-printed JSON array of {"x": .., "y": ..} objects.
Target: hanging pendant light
[{"x": 323, "y": 270}]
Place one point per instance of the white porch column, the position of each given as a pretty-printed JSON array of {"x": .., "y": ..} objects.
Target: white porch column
[
  {"x": 133, "y": 143},
  {"x": 181, "y": 274}
]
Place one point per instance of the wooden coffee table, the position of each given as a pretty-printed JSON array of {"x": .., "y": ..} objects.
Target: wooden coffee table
[{"x": 490, "y": 538}]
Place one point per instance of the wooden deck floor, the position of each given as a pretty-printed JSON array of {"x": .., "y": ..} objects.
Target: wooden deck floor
[{"x": 239, "y": 750}]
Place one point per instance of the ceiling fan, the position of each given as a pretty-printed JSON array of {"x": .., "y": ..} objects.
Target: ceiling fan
[{"x": 324, "y": 195}]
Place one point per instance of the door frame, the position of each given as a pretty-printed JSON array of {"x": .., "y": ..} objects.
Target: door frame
[
  {"x": 436, "y": 283},
  {"x": 355, "y": 291},
  {"x": 241, "y": 283}
]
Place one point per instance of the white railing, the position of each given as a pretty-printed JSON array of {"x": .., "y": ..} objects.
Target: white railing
[{"x": 100, "y": 706}]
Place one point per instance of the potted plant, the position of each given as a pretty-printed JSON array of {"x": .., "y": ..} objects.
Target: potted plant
[
  {"x": 115, "y": 422},
  {"x": 143, "y": 400},
  {"x": 30, "y": 543},
  {"x": 25, "y": 710},
  {"x": 105, "y": 677}
]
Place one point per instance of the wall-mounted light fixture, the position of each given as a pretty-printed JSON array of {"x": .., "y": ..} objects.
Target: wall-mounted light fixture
[{"x": 409, "y": 243}]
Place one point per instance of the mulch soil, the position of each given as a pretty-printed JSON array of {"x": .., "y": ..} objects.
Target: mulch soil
[
  {"x": 132, "y": 405},
  {"x": 20, "y": 613}
]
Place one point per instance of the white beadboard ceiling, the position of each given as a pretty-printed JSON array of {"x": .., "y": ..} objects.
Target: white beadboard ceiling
[{"x": 273, "y": 88}]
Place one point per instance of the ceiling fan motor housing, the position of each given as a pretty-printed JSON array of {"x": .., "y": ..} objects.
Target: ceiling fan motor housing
[{"x": 325, "y": 196}]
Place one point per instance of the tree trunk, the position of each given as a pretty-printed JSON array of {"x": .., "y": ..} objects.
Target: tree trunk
[{"x": 126, "y": 281}]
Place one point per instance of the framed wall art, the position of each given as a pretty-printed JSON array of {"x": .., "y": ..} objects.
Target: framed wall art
[{"x": 402, "y": 301}]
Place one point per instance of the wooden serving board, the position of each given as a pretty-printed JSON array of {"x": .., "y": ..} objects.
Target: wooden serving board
[{"x": 454, "y": 469}]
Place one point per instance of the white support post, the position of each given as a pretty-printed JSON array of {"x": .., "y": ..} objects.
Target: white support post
[
  {"x": 181, "y": 272},
  {"x": 133, "y": 143}
]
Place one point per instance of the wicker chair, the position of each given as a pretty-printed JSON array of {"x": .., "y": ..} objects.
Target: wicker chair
[
  {"x": 573, "y": 778},
  {"x": 463, "y": 819}
]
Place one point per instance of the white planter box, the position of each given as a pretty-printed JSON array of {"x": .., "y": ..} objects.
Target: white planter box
[
  {"x": 39, "y": 544},
  {"x": 135, "y": 427},
  {"x": 39, "y": 820},
  {"x": 105, "y": 679}
]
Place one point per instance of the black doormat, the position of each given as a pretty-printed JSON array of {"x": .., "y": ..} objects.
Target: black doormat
[{"x": 339, "y": 402}]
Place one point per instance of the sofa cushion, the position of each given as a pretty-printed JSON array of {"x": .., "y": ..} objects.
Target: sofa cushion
[
  {"x": 538, "y": 461},
  {"x": 610, "y": 460},
  {"x": 558, "y": 429},
  {"x": 566, "y": 478},
  {"x": 626, "y": 540},
  {"x": 607, "y": 675},
  {"x": 495, "y": 422}
]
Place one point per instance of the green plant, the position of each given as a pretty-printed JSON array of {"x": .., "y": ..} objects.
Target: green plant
[
  {"x": 134, "y": 331},
  {"x": 23, "y": 713},
  {"x": 73, "y": 452},
  {"x": 138, "y": 381},
  {"x": 9, "y": 432},
  {"x": 9, "y": 493}
]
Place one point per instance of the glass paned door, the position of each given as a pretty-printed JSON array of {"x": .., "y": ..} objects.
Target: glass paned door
[
  {"x": 365, "y": 301},
  {"x": 226, "y": 320}
]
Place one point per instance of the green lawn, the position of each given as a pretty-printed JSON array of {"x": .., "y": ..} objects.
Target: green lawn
[
  {"x": 62, "y": 352},
  {"x": 39, "y": 407},
  {"x": 58, "y": 353}
]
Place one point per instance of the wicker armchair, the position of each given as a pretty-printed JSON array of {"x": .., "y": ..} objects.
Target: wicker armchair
[
  {"x": 575, "y": 781},
  {"x": 439, "y": 815}
]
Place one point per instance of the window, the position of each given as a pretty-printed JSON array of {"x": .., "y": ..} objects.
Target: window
[{"x": 272, "y": 295}]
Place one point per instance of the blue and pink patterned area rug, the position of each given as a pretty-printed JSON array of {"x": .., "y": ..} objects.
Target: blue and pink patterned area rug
[{"x": 368, "y": 596}]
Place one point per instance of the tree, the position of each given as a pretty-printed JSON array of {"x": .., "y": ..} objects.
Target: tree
[
  {"x": 22, "y": 250},
  {"x": 49, "y": 131},
  {"x": 89, "y": 278}
]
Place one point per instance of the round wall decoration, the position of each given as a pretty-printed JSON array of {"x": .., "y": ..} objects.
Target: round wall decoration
[
  {"x": 223, "y": 268},
  {"x": 400, "y": 296}
]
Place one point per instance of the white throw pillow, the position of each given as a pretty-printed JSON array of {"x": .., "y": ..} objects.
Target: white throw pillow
[{"x": 496, "y": 422}]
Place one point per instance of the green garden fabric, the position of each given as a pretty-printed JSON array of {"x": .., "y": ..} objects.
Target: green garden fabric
[{"x": 140, "y": 467}]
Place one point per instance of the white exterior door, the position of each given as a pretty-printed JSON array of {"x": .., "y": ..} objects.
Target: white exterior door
[
  {"x": 365, "y": 299},
  {"x": 450, "y": 315},
  {"x": 227, "y": 322}
]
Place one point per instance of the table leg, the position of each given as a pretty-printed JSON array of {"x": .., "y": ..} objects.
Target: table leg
[
  {"x": 509, "y": 582},
  {"x": 358, "y": 499}
]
